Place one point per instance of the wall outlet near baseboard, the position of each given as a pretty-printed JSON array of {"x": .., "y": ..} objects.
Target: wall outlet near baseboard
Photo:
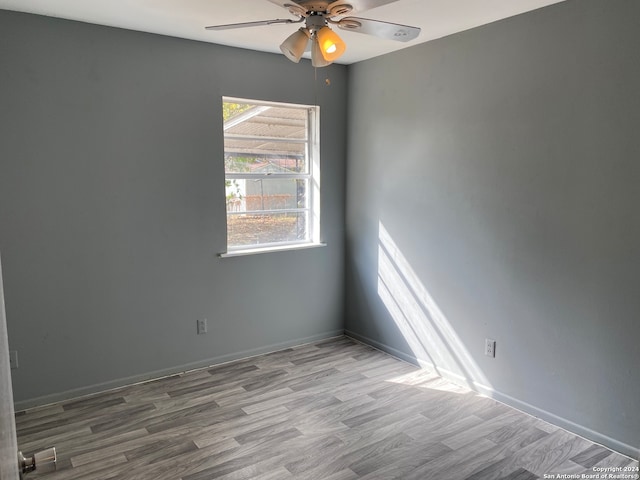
[
  {"x": 202, "y": 326},
  {"x": 13, "y": 359},
  {"x": 489, "y": 347}
]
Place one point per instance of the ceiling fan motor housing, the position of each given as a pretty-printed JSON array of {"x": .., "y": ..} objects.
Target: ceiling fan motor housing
[
  {"x": 315, "y": 22},
  {"x": 313, "y": 5},
  {"x": 332, "y": 9}
]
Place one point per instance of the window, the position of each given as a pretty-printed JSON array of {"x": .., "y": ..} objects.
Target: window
[{"x": 271, "y": 161}]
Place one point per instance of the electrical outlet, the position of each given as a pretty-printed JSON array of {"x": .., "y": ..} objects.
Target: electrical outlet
[
  {"x": 13, "y": 359},
  {"x": 202, "y": 326},
  {"x": 489, "y": 347}
]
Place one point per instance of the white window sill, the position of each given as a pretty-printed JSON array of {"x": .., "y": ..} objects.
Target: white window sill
[{"x": 279, "y": 248}]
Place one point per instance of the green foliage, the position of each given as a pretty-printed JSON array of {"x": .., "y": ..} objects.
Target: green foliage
[
  {"x": 233, "y": 164},
  {"x": 230, "y": 110},
  {"x": 233, "y": 191}
]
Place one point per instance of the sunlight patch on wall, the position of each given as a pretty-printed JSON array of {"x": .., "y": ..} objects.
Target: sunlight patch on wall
[{"x": 420, "y": 320}]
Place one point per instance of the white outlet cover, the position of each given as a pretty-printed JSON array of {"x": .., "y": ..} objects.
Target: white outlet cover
[
  {"x": 490, "y": 347},
  {"x": 13, "y": 359},
  {"x": 202, "y": 326}
]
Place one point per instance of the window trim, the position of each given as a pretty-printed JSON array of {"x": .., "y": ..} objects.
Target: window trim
[
  {"x": 312, "y": 176},
  {"x": 275, "y": 248}
]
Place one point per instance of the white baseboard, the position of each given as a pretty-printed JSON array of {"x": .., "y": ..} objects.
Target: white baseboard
[
  {"x": 209, "y": 362},
  {"x": 577, "y": 429}
]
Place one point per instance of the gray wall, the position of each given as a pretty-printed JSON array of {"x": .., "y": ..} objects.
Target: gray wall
[
  {"x": 112, "y": 207},
  {"x": 492, "y": 191}
]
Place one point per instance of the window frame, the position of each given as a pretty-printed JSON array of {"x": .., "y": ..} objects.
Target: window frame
[{"x": 311, "y": 176}]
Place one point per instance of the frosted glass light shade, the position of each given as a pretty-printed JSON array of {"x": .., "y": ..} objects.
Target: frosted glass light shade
[
  {"x": 317, "y": 58},
  {"x": 331, "y": 45},
  {"x": 295, "y": 44}
]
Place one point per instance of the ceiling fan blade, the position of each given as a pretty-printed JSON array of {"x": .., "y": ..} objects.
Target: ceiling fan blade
[
  {"x": 361, "y": 5},
  {"x": 287, "y": 3},
  {"x": 390, "y": 31},
  {"x": 327, "y": 5},
  {"x": 252, "y": 24}
]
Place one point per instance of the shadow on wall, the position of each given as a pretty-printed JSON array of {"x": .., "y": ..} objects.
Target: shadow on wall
[{"x": 421, "y": 322}]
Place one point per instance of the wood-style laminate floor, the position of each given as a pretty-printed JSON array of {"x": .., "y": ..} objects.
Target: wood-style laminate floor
[{"x": 332, "y": 410}]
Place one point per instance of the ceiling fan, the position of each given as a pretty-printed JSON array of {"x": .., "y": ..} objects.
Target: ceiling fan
[{"x": 326, "y": 45}]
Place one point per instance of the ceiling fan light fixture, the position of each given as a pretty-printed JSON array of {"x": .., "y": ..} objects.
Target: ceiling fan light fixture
[
  {"x": 295, "y": 44},
  {"x": 326, "y": 46},
  {"x": 331, "y": 45},
  {"x": 317, "y": 58}
]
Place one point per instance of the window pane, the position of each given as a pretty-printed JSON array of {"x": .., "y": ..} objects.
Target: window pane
[
  {"x": 264, "y": 164},
  {"x": 265, "y": 138},
  {"x": 254, "y": 229},
  {"x": 265, "y": 120},
  {"x": 252, "y": 147},
  {"x": 246, "y": 195}
]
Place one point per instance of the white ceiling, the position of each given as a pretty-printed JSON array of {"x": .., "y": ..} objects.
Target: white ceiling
[{"x": 187, "y": 19}]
